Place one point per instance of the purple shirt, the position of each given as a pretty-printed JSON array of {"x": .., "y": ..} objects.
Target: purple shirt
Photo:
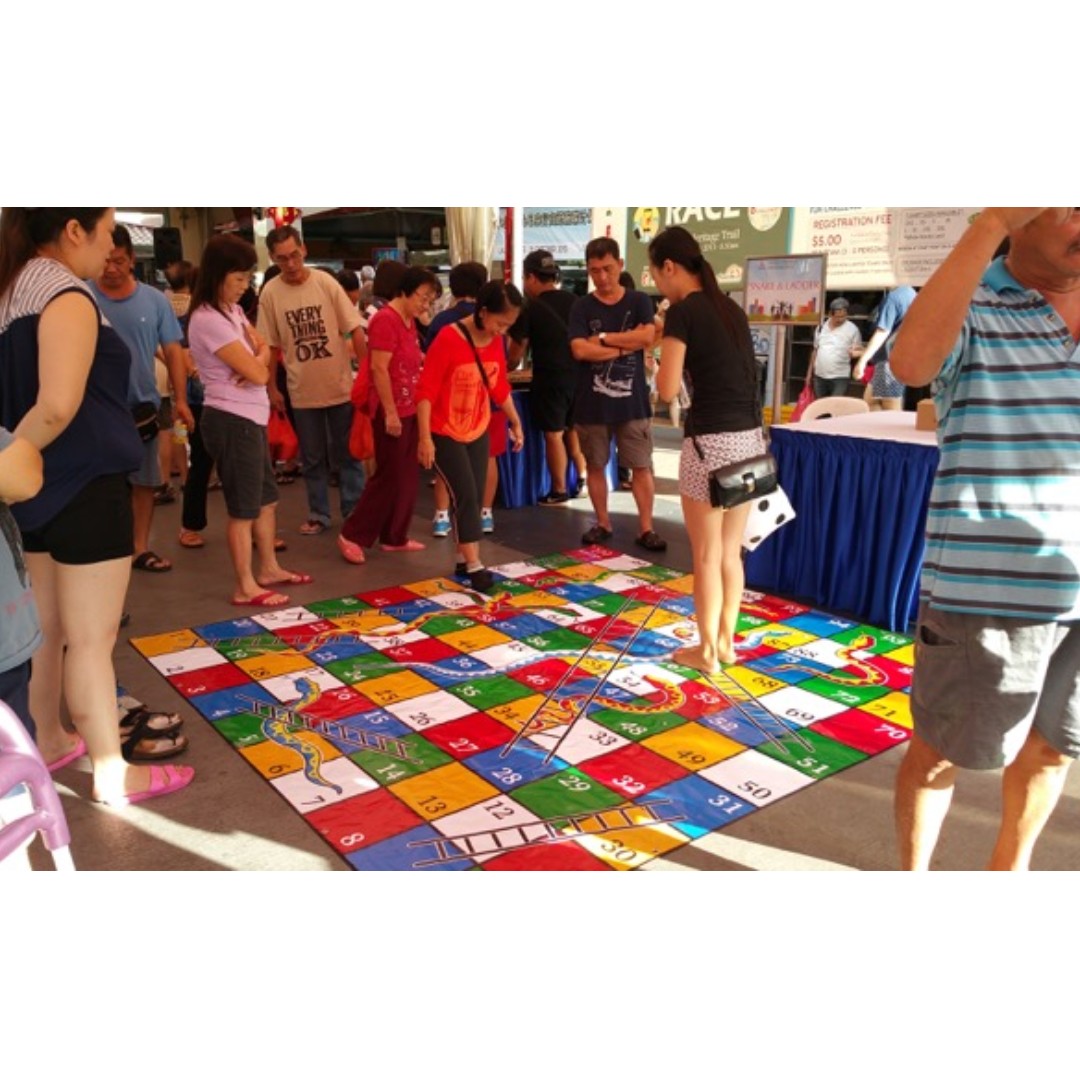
[{"x": 210, "y": 329}]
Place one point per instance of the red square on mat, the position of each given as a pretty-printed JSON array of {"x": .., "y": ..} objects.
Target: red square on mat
[
  {"x": 381, "y": 598},
  {"x": 863, "y": 731},
  {"x": 543, "y": 675},
  {"x": 206, "y": 680},
  {"x": 427, "y": 651},
  {"x": 567, "y": 856},
  {"x": 337, "y": 704},
  {"x": 362, "y": 821},
  {"x": 468, "y": 735},
  {"x": 633, "y": 770}
]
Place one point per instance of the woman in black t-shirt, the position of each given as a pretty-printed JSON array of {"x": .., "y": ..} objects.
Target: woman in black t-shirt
[{"x": 707, "y": 338}]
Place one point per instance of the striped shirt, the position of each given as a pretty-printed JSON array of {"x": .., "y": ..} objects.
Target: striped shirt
[{"x": 1003, "y": 528}]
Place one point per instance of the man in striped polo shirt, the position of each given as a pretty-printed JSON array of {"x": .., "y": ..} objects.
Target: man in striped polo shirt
[{"x": 997, "y": 654}]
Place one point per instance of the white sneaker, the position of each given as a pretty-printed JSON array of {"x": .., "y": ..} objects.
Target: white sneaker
[
  {"x": 441, "y": 525},
  {"x": 487, "y": 521}
]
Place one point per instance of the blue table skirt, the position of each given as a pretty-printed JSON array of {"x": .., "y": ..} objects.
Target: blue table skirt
[
  {"x": 524, "y": 476},
  {"x": 856, "y": 546}
]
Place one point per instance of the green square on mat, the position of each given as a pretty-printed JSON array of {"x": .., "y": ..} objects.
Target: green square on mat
[
  {"x": 355, "y": 669},
  {"x": 447, "y": 624},
  {"x": 485, "y": 693},
  {"x": 825, "y": 756},
  {"x": 241, "y": 729},
  {"x": 336, "y": 609},
  {"x": 569, "y": 791},
  {"x": 250, "y": 647},
  {"x": 559, "y": 640},
  {"x": 846, "y": 694},
  {"x": 554, "y": 562},
  {"x": 388, "y": 769},
  {"x": 637, "y": 727},
  {"x": 884, "y": 640}
]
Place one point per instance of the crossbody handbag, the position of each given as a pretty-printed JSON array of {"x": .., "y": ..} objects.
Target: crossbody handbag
[
  {"x": 145, "y": 415},
  {"x": 735, "y": 484}
]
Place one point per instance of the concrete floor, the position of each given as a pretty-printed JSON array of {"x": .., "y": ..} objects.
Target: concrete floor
[{"x": 231, "y": 819}]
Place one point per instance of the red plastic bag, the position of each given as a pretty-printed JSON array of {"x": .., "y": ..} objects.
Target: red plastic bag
[
  {"x": 867, "y": 375},
  {"x": 361, "y": 435},
  {"x": 284, "y": 445},
  {"x": 805, "y": 398}
]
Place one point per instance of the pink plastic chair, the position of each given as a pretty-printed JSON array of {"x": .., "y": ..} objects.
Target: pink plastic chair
[{"x": 20, "y": 763}]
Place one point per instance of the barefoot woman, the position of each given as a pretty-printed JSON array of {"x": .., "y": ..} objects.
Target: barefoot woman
[{"x": 707, "y": 337}]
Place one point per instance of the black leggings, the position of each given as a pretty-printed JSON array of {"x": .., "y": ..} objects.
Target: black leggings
[{"x": 463, "y": 467}]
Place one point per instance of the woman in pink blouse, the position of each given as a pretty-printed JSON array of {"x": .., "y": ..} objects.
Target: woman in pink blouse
[{"x": 232, "y": 360}]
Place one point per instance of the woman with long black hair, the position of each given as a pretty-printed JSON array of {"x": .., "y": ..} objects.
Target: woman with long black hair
[{"x": 707, "y": 338}]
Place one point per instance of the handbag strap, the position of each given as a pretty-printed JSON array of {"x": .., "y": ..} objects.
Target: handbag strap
[{"x": 476, "y": 355}]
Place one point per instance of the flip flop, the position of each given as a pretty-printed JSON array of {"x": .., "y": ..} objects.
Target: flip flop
[
  {"x": 350, "y": 552},
  {"x": 72, "y": 755},
  {"x": 650, "y": 541},
  {"x": 189, "y": 538},
  {"x": 143, "y": 743},
  {"x": 409, "y": 545},
  {"x": 263, "y": 599},
  {"x": 289, "y": 579},
  {"x": 151, "y": 562},
  {"x": 156, "y": 723},
  {"x": 164, "y": 780}
]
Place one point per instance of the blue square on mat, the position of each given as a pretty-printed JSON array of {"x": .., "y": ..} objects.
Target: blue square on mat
[
  {"x": 395, "y": 854},
  {"x": 704, "y": 806},
  {"x": 222, "y": 703}
]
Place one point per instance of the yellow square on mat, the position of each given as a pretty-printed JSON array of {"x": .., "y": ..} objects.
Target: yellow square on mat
[
  {"x": 157, "y": 644},
  {"x": 272, "y": 759},
  {"x": 366, "y": 622},
  {"x": 474, "y": 638},
  {"x": 434, "y": 587},
  {"x": 784, "y": 637},
  {"x": 627, "y": 849},
  {"x": 904, "y": 655},
  {"x": 515, "y": 713},
  {"x": 895, "y": 707},
  {"x": 400, "y": 686},
  {"x": 684, "y": 584},
  {"x": 584, "y": 572},
  {"x": 693, "y": 746},
  {"x": 753, "y": 681},
  {"x": 270, "y": 664},
  {"x": 443, "y": 791}
]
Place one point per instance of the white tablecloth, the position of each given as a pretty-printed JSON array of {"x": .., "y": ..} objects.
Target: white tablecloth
[{"x": 894, "y": 425}]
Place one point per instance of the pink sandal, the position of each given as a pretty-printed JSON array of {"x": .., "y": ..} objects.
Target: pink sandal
[
  {"x": 409, "y": 545},
  {"x": 164, "y": 780},
  {"x": 350, "y": 552}
]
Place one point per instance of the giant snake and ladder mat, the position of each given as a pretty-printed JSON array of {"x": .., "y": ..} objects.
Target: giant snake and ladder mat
[{"x": 544, "y": 726}]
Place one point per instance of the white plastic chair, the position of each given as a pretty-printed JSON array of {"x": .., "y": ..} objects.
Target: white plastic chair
[
  {"x": 21, "y": 764},
  {"x": 820, "y": 408}
]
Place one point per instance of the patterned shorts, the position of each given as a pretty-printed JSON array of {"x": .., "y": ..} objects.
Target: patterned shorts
[
  {"x": 884, "y": 384},
  {"x": 723, "y": 448}
]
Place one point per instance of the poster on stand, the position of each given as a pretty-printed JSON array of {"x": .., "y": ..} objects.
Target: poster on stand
[
  {"x": 785, "y": 290},
  {"x": 727, "y": 235},
  {"x": 879, "y": 247}
]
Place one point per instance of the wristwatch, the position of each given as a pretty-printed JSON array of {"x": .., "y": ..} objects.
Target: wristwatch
[{"x": 601, "y": 337}]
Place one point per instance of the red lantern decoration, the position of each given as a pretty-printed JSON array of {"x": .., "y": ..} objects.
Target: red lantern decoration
[{"x": 283, "y": 215}]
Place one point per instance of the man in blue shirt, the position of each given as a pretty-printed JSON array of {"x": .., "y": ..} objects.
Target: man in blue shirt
[
  {"x": 144, "y": 319},
  {"x": 610, "y": 329},
  {"x": 997, "y": 654}
]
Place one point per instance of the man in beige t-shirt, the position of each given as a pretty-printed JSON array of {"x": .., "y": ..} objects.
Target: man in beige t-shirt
[{"x": 306, "y": 316}]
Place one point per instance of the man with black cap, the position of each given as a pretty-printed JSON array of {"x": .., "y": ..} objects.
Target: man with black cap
[
  {"x": 544, "y": 326},
  {"x": 836, "y": 343}
]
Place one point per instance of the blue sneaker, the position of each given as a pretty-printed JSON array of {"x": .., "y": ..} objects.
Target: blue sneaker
[
  {"x": 487, "y": 521},
  {"x": 441, "y": 525}
]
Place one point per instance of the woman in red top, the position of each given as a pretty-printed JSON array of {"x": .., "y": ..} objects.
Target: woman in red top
[
  {"x": 385, "y": 509},
  {"x": 464, "y": 372}
]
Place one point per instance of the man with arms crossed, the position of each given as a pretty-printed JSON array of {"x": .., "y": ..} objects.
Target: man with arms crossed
[
  {"x": 609, "y": 331},
  {"x": 997, "y": 655}
]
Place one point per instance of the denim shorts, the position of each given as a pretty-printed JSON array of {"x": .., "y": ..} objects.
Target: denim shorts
[{"x": 982, "y": 683}]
